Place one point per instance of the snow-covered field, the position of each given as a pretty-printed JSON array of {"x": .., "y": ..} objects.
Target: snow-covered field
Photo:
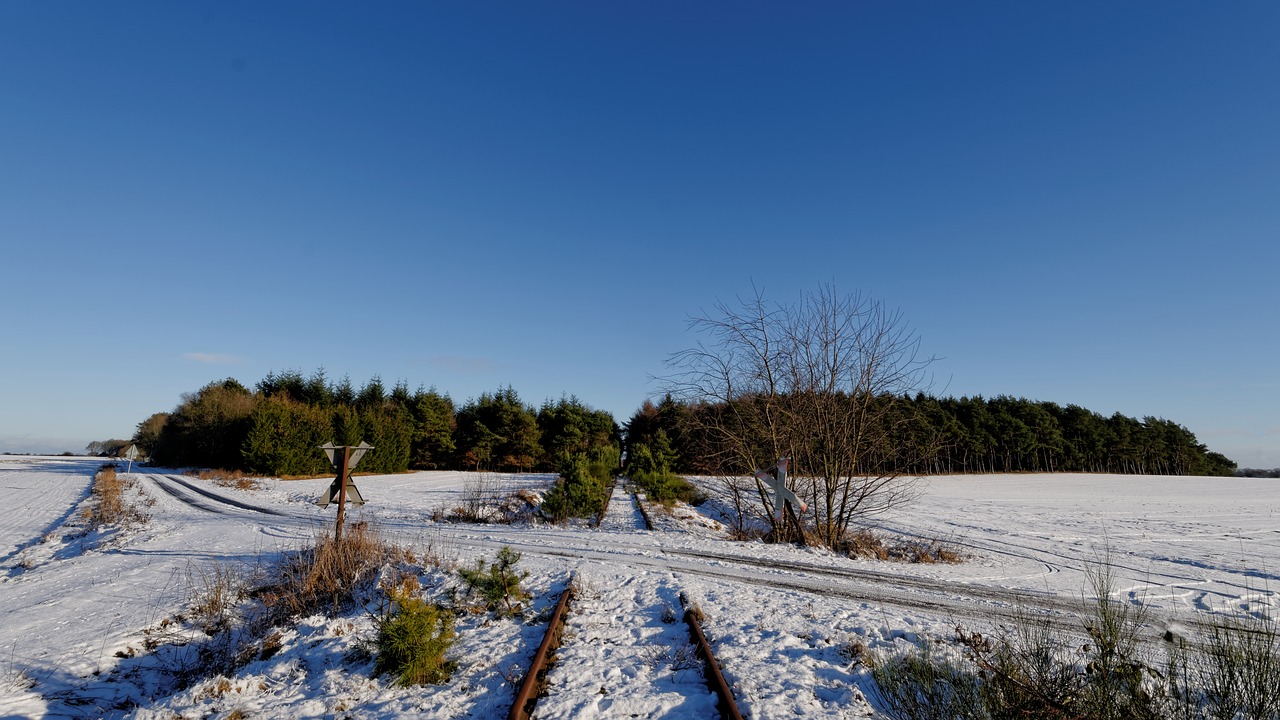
[{"x": 76, "y": 610}]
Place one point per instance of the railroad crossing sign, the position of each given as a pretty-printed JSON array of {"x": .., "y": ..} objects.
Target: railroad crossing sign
[
  {"x": 131, "y": 454},
  {"x": 784, "y": 502},
  {"x": 343, "y": 458},
  {"x": 776, "y": 478},
  {"x": 343, "y": 491}
]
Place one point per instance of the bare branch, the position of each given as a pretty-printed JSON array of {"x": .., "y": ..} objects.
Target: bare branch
[{"x": 818, "y": 381}]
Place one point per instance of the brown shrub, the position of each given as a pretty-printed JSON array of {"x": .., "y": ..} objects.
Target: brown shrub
[
  {"x": 745, "y": 534},
  {"x": 228, "y": 478},
  {"x": 214, "y": 592},
  {"x": 865, "y": 544},
  {"x": 327, "y": 575},
  {"x": 116, "y": 500},
  {"x": 933, "y": 551}
]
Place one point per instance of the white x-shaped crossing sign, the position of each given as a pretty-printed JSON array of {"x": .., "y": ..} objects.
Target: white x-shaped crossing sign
[{"x": 776, "y": 478}]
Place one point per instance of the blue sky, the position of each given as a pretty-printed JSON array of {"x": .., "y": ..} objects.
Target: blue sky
[{"x": 1075, "y": 202}]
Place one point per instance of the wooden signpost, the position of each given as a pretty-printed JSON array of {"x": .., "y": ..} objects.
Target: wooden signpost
[{"x": 343, "y": 490}]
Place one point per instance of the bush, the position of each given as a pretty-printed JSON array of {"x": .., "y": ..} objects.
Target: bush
[
  {"x": 113, "y": 503},
  {"x": 413, "y": 636},
  {"x": 579, "y": 492},
  {"x": 603, "y": 462},
  {"x": 1040, "y": 672},
  {"x": 922, "y": 685},
  {"x": 497, "y": 585},
  {"x": 328, "y": 578},
  {"x": 214, "y": 592},
  {"x": 650, "y": 468},
  {"x": 328, "y": 575},
  {"x": 666, "y": 487},
  {"x": 1238, "y": 669},
  {"x": 863, "y": 543}
]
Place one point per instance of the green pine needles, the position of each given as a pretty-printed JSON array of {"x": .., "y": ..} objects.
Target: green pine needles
[
  {"x": 497, "y": 585},
  {"x": 580, "y": 492},
  {"x": 413, "y": 636},
  {"x": 650, "y": 467}
]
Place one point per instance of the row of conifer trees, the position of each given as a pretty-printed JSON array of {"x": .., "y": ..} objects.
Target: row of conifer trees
[
  {"x": 961, "y": 435},
  {"x": 277, "y": 427}
]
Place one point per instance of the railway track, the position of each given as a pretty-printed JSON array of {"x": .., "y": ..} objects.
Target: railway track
[
  {"x": 962, "y": 602},
  {"x": 638, "y": 652}
]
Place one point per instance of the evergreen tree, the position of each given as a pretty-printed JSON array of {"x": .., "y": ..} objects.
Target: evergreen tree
[
  {"x": 568, "y": 427},
  {"x": 434, "y": 424},
  {"x": 372, "y": 394},
  {"x": 284, "y": 438},
  {"x": 208, "y": 428},
  {"x": 389, "y": 429},
  {"x": 499, "y": 432}
]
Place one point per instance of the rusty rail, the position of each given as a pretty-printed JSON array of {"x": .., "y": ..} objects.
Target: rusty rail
[
  {"x": 715, "y": 678},
  {"x": 648, "y": 522},
  {"x": 533, "y": 682}
]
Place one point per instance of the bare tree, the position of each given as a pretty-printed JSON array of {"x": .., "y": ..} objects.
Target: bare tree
[{"x": 819, "y": 382}]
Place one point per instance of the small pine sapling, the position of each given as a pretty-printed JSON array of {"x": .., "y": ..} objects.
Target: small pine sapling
[
  {"x": 413, "y": 636},
  {"x": 498, "y": 585}
]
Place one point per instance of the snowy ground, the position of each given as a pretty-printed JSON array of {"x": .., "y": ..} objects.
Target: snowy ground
[{"x": 77, "y": 609}]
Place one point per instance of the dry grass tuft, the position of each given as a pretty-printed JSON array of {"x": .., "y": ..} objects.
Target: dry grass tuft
[
  {"x": 216, "y": 688},
  {"x": 14, "y": 678},
  {"x": 328, "y": 575},
  {"x": 439, "y": 552},
  {"x": 485, "y": 501},
  {"x": 228, "y": 478},
  {"x": 931, "y": 552},
  {"x": 116, "y": 500},
  {"x": 866, "y": 544},
  {"x": 215, "y": 592},
  {"x": 1104, "y": 671},
  {"x": 745, "y": 534}
]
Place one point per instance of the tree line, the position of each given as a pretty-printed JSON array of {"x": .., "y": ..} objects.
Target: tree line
[
  {"x": 929, "y": 435},
  {"x": 277, "y": 427}
]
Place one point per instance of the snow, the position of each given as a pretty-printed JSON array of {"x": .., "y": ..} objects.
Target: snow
[{"x": 87, "y": 618}]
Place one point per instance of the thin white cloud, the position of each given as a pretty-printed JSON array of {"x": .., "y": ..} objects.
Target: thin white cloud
[{"x": 212, "y": 358}]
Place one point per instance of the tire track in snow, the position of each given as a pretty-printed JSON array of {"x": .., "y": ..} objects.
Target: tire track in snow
[
  {"x": 956, "y": 602},
  {"x": 220, "y": 505},
  {"x": 162, "y": 481},
  {"x": 799, "y": 575},
  {"x": 1073, "y": 562},
  {"x": 950, "y": 600},
  {"x": 184, "y": 497}
]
